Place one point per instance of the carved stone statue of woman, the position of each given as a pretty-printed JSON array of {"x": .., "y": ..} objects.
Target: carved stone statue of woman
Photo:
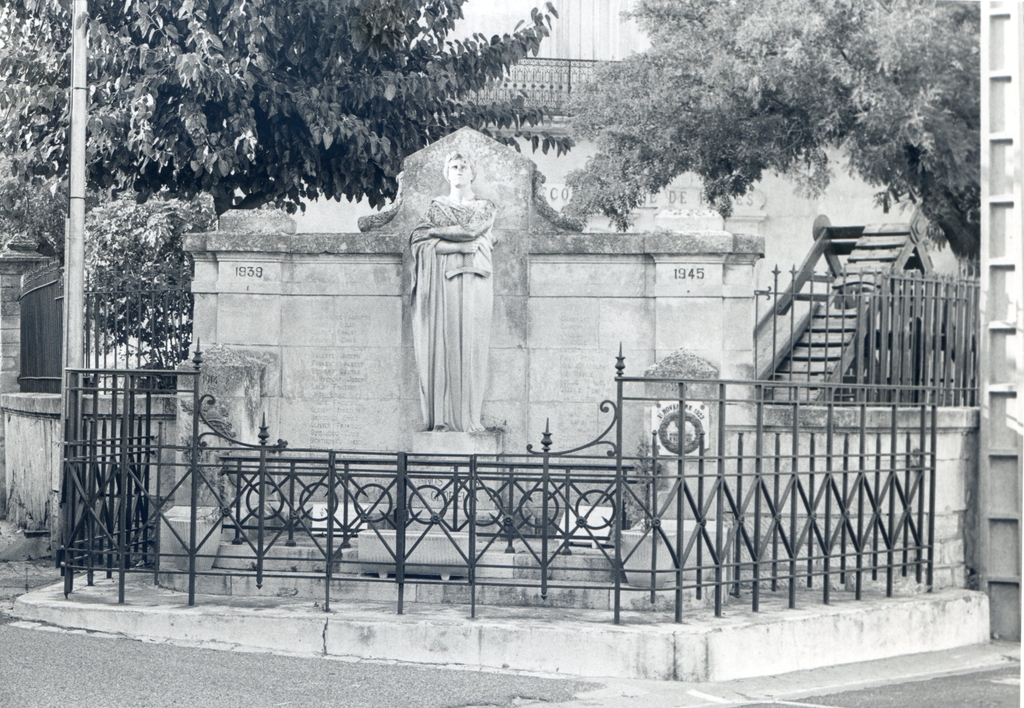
[{"x": 452, "y": 300}]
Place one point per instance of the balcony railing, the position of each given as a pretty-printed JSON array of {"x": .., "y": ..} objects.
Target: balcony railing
[{"x": 544, "y": 82}]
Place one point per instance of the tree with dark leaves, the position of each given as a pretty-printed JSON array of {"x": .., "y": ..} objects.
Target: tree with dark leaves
[
  {"x": 732, "y": 89},
  {"x": 253, "y": 101}
]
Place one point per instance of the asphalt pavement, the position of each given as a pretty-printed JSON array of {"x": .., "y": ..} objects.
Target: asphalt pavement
[{"x": 49, "y": 666}]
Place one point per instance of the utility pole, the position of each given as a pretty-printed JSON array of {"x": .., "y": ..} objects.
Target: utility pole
[{"x": 74, "y": 246}]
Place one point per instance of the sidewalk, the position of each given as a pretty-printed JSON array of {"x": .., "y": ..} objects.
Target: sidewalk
[
  {"x": 740, "y": 645},
  {"x": 796, "y": 688}
]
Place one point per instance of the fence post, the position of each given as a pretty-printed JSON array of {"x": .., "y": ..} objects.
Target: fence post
[
  {"x": 193, "y": 470},
  {"x": 400, "y": 526}
]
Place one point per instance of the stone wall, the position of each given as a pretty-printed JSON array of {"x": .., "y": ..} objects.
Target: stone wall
[
  {"x": 16, "y": 259},
  {"x": 325, "y": 319},
  {"x": 956, "y": 487},
  {"x": 33, "y": 453}
]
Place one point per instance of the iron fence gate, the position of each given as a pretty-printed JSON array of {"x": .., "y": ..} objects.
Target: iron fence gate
[
  {"x": 697, "y": 491},
  {"x": 41, "y": 321}
]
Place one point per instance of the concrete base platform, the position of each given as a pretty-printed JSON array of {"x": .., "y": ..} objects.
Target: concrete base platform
[{"x": 565, "y": 642}]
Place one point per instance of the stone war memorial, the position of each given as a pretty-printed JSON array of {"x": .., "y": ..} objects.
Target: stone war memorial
[
  {"x": 457, "y": 326},
  {"x": 471, "y": 402}
]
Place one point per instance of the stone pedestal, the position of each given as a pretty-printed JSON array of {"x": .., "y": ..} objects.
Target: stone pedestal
[{"x": 488, "y": 442}]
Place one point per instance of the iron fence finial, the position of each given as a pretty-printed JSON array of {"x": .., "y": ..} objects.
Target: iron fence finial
[
  {"x": 545, "y": 438},
  {"x": 620, "y": 363},
  {"x": 263, "y": 434},
  {"x": 197, "y": 360}
]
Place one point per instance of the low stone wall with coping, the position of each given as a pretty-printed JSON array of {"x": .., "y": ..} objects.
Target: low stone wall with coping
[{"x": 32, "y": 456}]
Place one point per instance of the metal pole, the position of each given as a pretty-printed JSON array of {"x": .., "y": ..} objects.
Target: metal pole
[{"x": 74, "y": 245}]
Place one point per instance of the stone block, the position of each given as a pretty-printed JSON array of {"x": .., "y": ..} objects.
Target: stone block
[
  {"x": 488, "y": 442},
  {"x": 351, "y": 373},
  {"x": 248, "y": 319},
  {"x": 510, "y": 322},
  {"x": 571, "y": 424},
  {"x": 340, "y": 424},
  {"x": 410, "y": 390},
  {"x": 952, "y": 444},
  {"x": 204, "y": 318},
  {"x": 572, "y": 275},
  {"x": 9, "y": 381},
  {"x": 511, "y": 270},
  {"x": 357, "y": 275},
  {"x": 509, "y": 417},
  {"x": 508, "y": 375},
  {"x": 950, "y": 487},
  {"x": 12, "y": 363},
  {"x": 740, "y": 276},
  {"x": 204, "y": 274},
  {"x": 326, "y": 321},
  {"x": 948, "y": 526},
  {"x": 626, "y": 320},
  {"x": 571, "y": 375},
  {"x": 32, "y": 449},
  {"x": 563, "y": 323},
  {"x": 306, "y": 321},
  {"x": 688, "y": 278},
  {"x": 950, "y": 552},
  {"x": 758, "y": 648},
  {"x": 739, "y": 332},
  {"x": 554, "y": 649},
  {"x": 689, "y": 323},
  {"x": 738, "y": 364},
  {"x": 249, "y": 273}
]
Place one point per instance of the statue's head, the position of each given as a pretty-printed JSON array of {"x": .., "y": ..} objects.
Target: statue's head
[{"x": 463, "y": 165}]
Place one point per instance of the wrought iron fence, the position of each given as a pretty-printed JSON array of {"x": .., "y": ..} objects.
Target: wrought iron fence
[
  {"x": 40, "y": 302},
  {"x": 125, "y": 327},
  {"x": 547, "y": 83},
  {"x": 882, "y": 329},
  {"x": 139, "y": 327},
  {"x": 732, "y": 493}
]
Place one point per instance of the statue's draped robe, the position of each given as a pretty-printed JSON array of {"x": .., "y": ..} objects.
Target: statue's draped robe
[{"x": 451, "y": 317}]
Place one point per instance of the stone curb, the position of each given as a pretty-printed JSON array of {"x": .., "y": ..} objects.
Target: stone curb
[{"x": 744, "y": 645}]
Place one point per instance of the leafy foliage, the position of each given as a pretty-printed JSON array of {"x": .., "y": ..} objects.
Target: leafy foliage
[
  {"x": 731, "y": 89},
  {"x": 138, "y": 278},
  {"x": 35, "y": 213},
  {"x": 132, "y": 246},
  {"x": 253, "y": 101}
]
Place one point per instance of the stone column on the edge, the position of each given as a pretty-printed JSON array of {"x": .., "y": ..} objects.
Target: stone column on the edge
[{"x": 16, "y": 259}]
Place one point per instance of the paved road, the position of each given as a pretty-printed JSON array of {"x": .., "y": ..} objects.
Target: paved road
[
  {"x": 44, "y": 666},
  {"x": 39, "y": 668},
  {"x": 985, "y": 689}
]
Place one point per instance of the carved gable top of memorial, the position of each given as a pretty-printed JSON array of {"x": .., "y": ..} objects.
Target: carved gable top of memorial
[
  {"x": 681, "y": 364},
  {"x": 504, "y": 176}
]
